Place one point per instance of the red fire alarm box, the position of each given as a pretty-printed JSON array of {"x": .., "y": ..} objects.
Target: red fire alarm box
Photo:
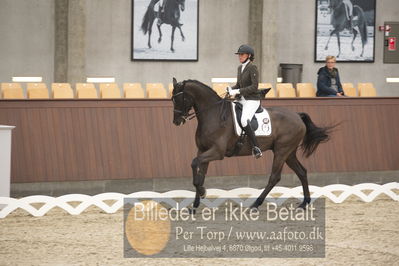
[
  {"x": 392, "y": 44},
  {"x": 391, "y": 53}
]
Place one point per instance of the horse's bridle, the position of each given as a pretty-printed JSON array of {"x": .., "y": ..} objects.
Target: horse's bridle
[
  {"x": 186, "y": 115},
  {"x": 334, "y": 5}
]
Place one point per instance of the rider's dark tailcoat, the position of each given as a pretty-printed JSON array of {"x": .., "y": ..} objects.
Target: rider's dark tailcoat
[{"x": 247, "y": 82}]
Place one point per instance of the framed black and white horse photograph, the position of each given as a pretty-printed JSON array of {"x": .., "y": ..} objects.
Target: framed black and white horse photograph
[
  {"x": 165, "y": 30},
  {"x": 345, "y": 29}
]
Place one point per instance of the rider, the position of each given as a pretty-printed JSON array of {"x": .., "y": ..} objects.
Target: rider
[
  {"x": 161, "y": 8},
  {"x": 246, "y": 90},
  {"x": 161, "y": 11},
  {"x": 349, "y": 13}
]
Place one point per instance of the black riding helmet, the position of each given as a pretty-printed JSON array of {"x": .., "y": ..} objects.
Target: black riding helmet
[{"x": 246, "y": 49}]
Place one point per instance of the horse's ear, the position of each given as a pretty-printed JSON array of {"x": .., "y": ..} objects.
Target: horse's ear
[{"x": 174, "y": 82}]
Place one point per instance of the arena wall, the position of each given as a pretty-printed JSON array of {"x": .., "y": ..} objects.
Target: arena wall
[{"x": 223, "y": 25}]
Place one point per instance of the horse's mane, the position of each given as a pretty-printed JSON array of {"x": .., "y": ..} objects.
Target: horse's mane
[{"x": 202, "y": 85}]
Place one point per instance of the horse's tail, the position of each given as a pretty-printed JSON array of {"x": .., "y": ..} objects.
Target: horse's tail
[
  {"x": 362, "y": 22},
  {"x": 149, "y": 14},
  {"x": 314, "y": 135}
]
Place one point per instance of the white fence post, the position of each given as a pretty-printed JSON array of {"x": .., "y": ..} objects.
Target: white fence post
[{"x": 5, "y": 159}]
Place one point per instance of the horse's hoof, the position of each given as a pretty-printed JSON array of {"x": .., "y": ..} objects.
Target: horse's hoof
[
  {"x": 183, "y": 39},
  {"x": 254, "y": 206},
  {"x": 173, "y": 50},
  {"x": 304, "y": 203},
  {"x": 302, "y": 206},
  {"x": 326, "y": 48},
  {"x": 159, "y": 40},
  {"x": 353, "y": 49},
  {"x": 254, "y": 209},
  {"x": 203, "y": 194}
]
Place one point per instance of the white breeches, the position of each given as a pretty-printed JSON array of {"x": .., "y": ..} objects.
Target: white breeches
[
  {"x": 348, "y": 8},
  {"x": 249, "y": 108}
]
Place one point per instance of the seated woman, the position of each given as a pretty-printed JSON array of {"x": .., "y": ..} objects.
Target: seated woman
[{"x": 328, "y": 82}]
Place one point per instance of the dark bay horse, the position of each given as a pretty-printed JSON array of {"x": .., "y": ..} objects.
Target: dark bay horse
[
  {"x": 168, "y": 14},
  {"x": 215, "y": 137},
  {"x": 340, "y": 22}
]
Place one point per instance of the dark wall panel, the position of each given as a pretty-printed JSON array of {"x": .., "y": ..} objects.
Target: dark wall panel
[{"x": 66, "y": 140}]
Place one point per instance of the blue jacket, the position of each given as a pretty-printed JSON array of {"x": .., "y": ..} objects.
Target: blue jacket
[{"x": 324, "y": 83}]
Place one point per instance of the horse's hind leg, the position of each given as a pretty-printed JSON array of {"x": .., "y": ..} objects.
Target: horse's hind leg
[
  {"x": 278, "y": 162},
  {"x": 300, "y": 171},
  {"x": 182, "y": 35}
]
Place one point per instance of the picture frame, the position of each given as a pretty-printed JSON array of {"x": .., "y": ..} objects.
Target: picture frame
[
  {"x": 180, "y": 15},
  {"x": 332, "y": 17}
]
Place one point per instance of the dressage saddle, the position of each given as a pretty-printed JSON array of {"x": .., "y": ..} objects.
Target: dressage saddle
[{"x": 254, "y": 122}]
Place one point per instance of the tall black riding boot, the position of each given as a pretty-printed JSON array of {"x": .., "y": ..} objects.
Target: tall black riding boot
[
  {"x": 351, "y": 24},
  {"x": 159, "y": 15},
  {"x": 251, "y": 135}
]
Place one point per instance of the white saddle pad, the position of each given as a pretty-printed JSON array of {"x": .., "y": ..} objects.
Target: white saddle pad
[{"x": 264, "y": 123}]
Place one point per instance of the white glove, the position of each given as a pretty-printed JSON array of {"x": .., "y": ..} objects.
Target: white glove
[{"x": 232, "y": 92}]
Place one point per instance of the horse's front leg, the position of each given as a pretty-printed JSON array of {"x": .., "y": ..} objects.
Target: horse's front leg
[
  {"x": 339, "y": 44},
  {"x": 182, "y": 35},
  {"x": 331, "y": 34},
  {"x": 160, "y": 32},
  {"x": 198, "y": 182},
  {"x": 172, "y": 37},
  {"x": 353, "y": 40},
  {"x": 361, "y": 55},
  {"x": 199, "y": 166},
  {"x": 149, "y": 35}
]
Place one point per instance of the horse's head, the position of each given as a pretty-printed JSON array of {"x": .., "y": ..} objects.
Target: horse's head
[
  {"x": 334, "y": 4},
  {"x": 182, "y": 103},
  {"x": 182, "y": 4}
]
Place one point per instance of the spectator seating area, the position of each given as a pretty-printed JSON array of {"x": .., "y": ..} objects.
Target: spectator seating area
[{"x": 156, "y": 90}]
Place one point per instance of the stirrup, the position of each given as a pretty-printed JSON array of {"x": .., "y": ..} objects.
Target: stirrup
[{"x": 256, "y": 152}]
